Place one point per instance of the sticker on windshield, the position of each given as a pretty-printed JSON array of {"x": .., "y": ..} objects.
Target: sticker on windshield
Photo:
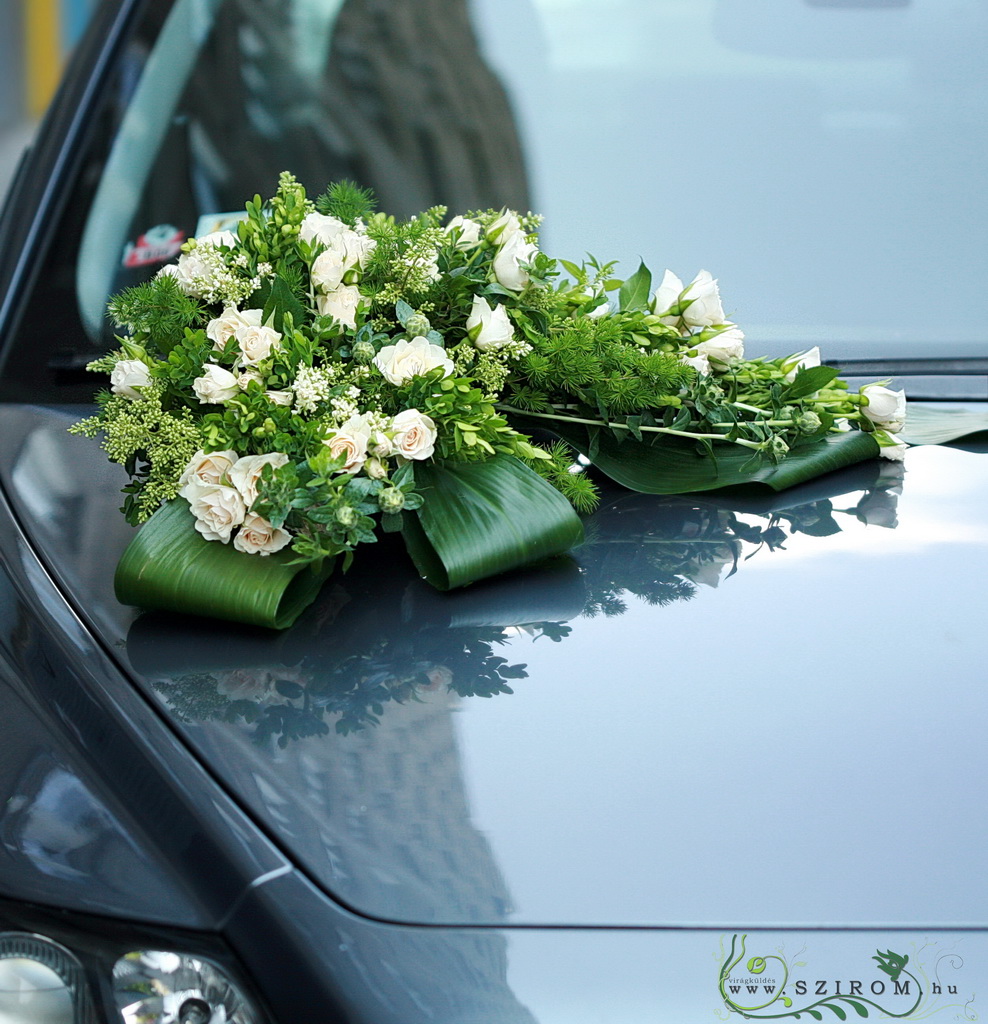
[
  {"x": 765, "y": 980},
  {"x": 156, "y": 245},
  {"x": 210, "y": 222}
]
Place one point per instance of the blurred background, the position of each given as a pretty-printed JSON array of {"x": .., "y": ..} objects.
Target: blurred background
[{"x": 36, "y": 37}]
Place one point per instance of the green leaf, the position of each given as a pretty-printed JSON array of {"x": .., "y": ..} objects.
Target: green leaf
[
  {"x": 403, "y": 311},
  {"x": 859, "y": 1008},
  {"x": 484, "y": 518},
  {"x": 837, "y": 1010},
  {"x": 672, "y": 465},
  {"x": 934, "y": 424},
  {"x": 279, "y": 299},
  {"x": 808, "y": 380},
  {"x": 574, "y": 271},
  {"x": 169, "y": 566},
  {"x": 635, "y": 292}
]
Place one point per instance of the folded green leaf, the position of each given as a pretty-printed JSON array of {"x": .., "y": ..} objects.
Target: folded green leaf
[
  {"x": 673, "y": 465},
  {"x": 169, "y": 566},
  {"x": 484, "y": 518},
  {"x": 808, "y": 380}
]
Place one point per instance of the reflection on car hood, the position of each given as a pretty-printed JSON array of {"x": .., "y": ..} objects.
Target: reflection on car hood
[{"x": 718, "y": 712}]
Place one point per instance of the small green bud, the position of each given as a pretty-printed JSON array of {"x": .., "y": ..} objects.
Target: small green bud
[
  {"x": 346, "y": 516},
  {"x": 391, "y": 500},
  {"x": 809, "y": 422},
  {"x": 417, "y": 325},
  {"x": 778, "y": 447},
  {"x": 363, "y": 352}
]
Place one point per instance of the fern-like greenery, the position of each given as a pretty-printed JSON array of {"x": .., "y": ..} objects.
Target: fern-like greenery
[
  {"x": 347, "y": 202},
  {"x": 159, "y": 309}
]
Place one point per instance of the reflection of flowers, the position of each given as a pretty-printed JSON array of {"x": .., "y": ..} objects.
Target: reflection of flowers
[{"x": 365, "y": 648}]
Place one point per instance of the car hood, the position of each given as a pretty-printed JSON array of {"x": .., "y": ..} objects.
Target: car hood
[{"x": 720, "y": 712}]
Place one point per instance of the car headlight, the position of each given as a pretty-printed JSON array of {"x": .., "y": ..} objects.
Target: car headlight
[
  {"x": 156, "y": 987},
  {"x": 43, "y": 980}
]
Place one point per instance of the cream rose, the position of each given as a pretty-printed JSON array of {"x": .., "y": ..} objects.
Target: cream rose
[
  {"x": 206, "y": 470},
  {"x": 328, "y": 269},
  {"x": 218, "y": 510},
  {"x": 504, "y": 227},
  {"x": 341, "y": 305},
  {"x": 469, "y": 232},
  {"x": 801, "y": 361},
  {"x": 399, "y": 363},
  {"x": 216, "y": 385},
  {"x": 221, "y": 329},
  {"x": 666, "y": 297},
  {"x": 256, "y": 342},
  {"x": 127, "y": 376},
  {"x": 488, "y": 327},
  {"x": 508, "y": 263},
  {"x": 724, "y": 350},
  {"x": 246, "y": 471},
  {"x": 415, "y": 434},
  {"x": 319, "y": 227},
  {"x": 704, "y": 309},
  {"x": 258, "y": 537},
  {"x": 885, "y": 408},
  {"x": 279, "y": 397},
  {"x": 350, "y": 441}
]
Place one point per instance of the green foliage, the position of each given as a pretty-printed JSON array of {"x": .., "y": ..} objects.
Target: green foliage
[
  {"x": 347, "y": 202},
  {"x": 158, "y": 311}
]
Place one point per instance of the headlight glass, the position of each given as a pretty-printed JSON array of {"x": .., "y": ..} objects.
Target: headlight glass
[
  {"x": 41, "y": 981},
  {"x": 158, "y": 987}
]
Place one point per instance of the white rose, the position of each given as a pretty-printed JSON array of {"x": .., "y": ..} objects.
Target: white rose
[
  {"x": 380, "y": 444},
  {"x": 488, "y": 327},
  {"x": 128, "y": 375},
  {"x": 279, "y": 397},
  {"x": 218, "y": 238},
  {"x": 247, "y": 470},
  {"x": 222, "y": 328},
  {"x": 258, "y": 537},
  {"x": 328, "y": 270},
  {"x": 505, "y": 227},
  {"x": 256, "y": 343},
  {"x": 218, "y": 510},
  {"x": 724, "y": 350},
  {"x": 415, "y": 434},
  {"x": 895, "y": 452},
  {"x": 375, "y": 469},
  {"x": 469, "y": 232},
  {"x": 249, "y": 377},
  {"x": 885, "y": 408},
  {"x": 699, "y": 362},
  {"x": 801, "y": 361},
  {"x": 318, "y": 227},
  {"x": 206, "y": 470},
  {"x": 399, "y": 363},
  {"x": 667, "y": 295},
  {"x": 508, "y": 262},
  {"x": 357, "y": 249},
  {"x": 350, "y": 441},
  {"x": 704, "y": 309},
  {"x": 341, "y": 305},
  {"x": 216, "y": 385}
]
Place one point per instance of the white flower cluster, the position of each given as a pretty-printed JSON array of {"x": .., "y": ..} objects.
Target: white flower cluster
[
  {"x": 336, "y": 270},
  {"x": 365, "y": 440},
  {"x": 312, "y": 386},
  {"x": 221, "y": 488},
  {"x": 712, "y": 343},
  {"x": 202, "y": 272}
]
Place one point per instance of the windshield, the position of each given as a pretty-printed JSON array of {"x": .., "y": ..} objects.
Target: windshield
[{"x": 815, "y": 155}]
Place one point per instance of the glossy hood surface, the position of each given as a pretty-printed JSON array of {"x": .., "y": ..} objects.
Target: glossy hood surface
[{"x": 713, "y": 714}]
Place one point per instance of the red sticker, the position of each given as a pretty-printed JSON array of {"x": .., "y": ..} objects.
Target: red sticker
[{"x": 156, "y": 245}]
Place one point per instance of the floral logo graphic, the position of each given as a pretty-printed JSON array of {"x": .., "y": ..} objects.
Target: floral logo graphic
[{"x": 769, "y": 987}]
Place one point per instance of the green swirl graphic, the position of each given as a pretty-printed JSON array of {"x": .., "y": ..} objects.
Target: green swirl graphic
[{"x": 893, "y": 964}]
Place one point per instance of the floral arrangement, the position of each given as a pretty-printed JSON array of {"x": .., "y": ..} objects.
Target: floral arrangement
[{"x": 327, "y": 372}]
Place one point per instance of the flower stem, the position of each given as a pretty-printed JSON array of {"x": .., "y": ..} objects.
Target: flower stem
[{"x": 624, "y": 426}]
